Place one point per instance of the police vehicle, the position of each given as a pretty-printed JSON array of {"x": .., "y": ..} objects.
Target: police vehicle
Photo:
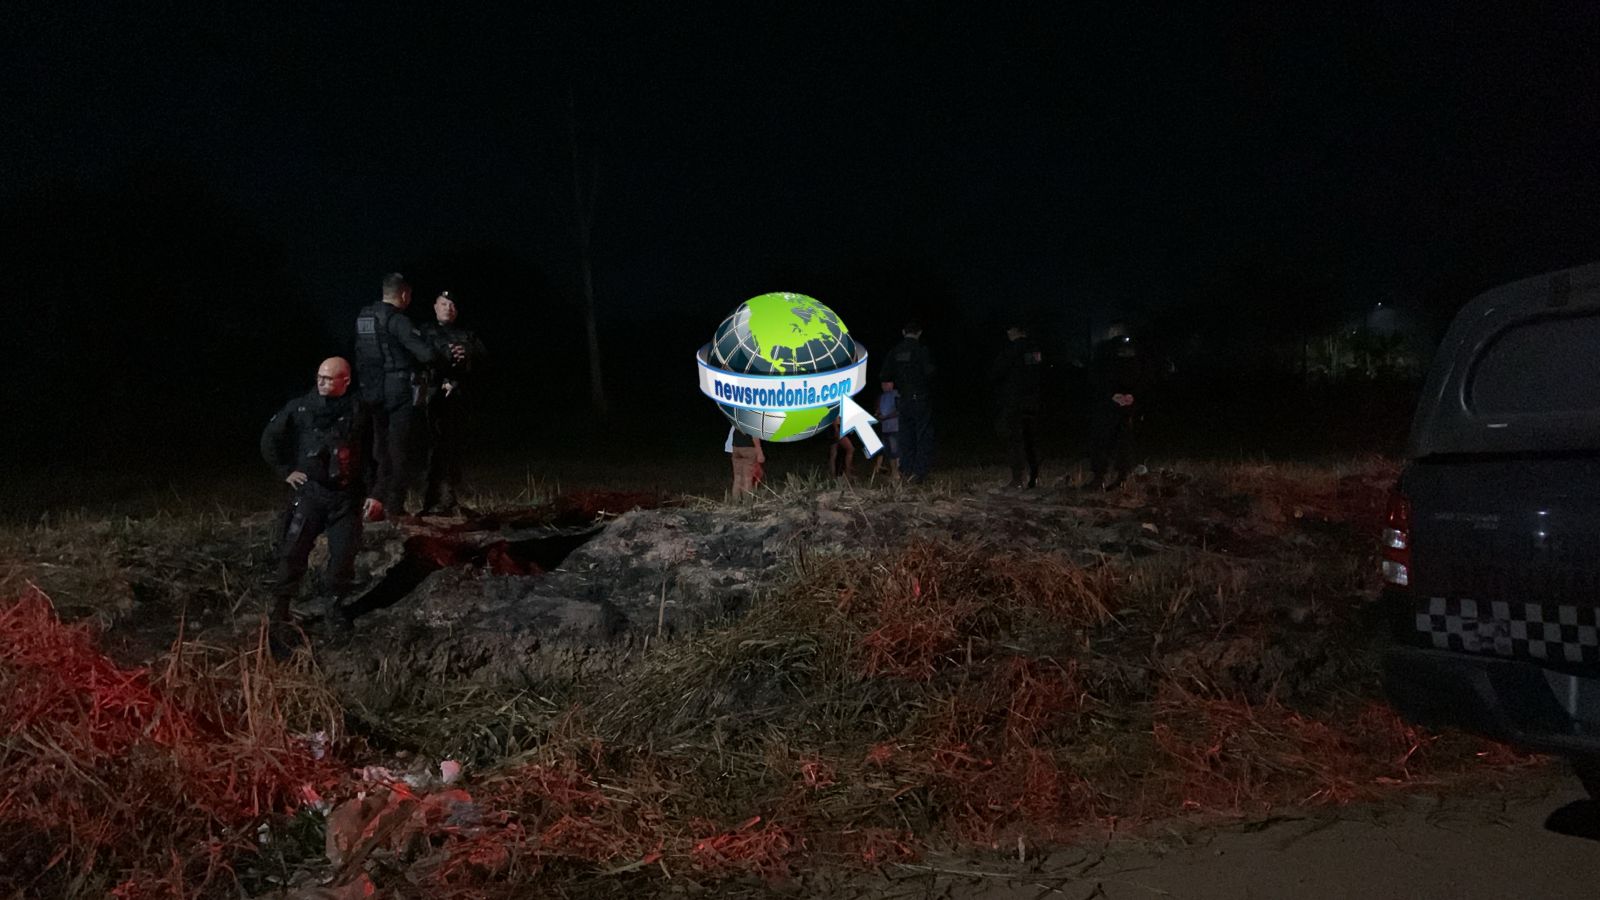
[{"x": 1491, "y": 550}]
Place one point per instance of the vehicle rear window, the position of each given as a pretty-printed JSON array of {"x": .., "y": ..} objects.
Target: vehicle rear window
[{"x": 1546, "y": 366}]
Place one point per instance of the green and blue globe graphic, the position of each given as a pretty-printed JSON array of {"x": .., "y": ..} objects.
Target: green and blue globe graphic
[{"x": 782, "y": 334}]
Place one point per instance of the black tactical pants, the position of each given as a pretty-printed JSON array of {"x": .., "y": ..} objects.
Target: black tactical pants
[
  {"x": 392, "y": 420},
  {"x": 313, "y": 511},
  {"x": 1019, "y": 430},
  {"x": 1111, "y": 441},
  {"x": 916, "y": 437},
  {"x": 448, "y": 421}
]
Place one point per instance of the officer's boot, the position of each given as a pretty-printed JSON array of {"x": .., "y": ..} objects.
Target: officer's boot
[
  {"x": 283, "y": 635},
  {"x": 336, "y": 620}
]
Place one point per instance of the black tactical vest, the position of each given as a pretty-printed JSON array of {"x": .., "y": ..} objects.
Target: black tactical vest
[
  {"x": 325, "y": 447},
  {"x": 375, "y": 343},
  {"x": 376, "y": 349}
]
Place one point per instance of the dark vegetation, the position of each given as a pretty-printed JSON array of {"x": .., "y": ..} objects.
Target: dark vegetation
[{"x": 158, "y": 323}]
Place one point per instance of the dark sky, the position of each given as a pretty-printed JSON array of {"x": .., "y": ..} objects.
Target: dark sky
[
  {"x": 1094, "y": 146},
  {"x": 1087, "y": 157}
]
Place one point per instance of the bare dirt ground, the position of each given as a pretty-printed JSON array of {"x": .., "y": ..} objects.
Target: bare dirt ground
[
  {"x": 1487, "y": 841},
  {"x": 831, "y": 690}
]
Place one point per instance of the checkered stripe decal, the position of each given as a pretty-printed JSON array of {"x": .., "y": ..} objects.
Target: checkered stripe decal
[{"x": 1558, "y": 633}]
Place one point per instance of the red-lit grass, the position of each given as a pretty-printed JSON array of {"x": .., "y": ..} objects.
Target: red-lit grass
[
  {"x": 1229, "y": 756},
  {"x": 922, "y": 610},
  {"x": 151, "y": 777}
]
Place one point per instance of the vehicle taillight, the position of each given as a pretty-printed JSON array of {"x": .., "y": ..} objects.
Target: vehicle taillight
[{"x": 1397, "y": 540}]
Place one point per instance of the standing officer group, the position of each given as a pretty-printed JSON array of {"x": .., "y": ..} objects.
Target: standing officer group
[
  {"x": 413, "y": 376},
  {"x": 1116, "y": 384},
  {"x": 348, "y": 455}
]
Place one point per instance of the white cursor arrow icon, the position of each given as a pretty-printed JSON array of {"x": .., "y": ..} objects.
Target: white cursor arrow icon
[{"x": 853, "y": 418}]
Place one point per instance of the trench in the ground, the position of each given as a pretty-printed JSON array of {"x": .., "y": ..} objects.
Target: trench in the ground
[{"x": 425, "y": 554}]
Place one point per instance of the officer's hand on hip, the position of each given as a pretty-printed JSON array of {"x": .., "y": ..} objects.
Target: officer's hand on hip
[
  {"x": 296, "y": 479},
  {"x": 372, "y": 510}
]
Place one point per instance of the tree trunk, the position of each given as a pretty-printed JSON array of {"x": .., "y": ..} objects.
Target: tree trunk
[
  {"x": 583, "y": 211},
  {"x": 597, "y": 387}
]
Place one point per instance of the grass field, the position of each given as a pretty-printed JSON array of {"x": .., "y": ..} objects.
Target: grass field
[{"x": 875, "y": 704}]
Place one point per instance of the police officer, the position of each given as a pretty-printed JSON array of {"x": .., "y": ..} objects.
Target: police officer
[
  {"x": 1117, "y": 384},
  {"x": 321, "y": 446},
  {"x": 910, "y": 367},
  {"x": 460, "y": 357},
  {"x": 391, "y": 357},
  {"x": 1015, "y": 374}
]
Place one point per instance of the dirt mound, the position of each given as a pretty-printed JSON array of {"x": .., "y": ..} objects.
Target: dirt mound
[{"x": 499, "y": 602}]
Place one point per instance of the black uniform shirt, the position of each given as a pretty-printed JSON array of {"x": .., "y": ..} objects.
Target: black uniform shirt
[
  {"x": 910, "y": 366},
  {"x": 1016, "y": 374},
  {"x": 395, "y": 345},
  {"x": 446, "y": 367},
  {"x": 328, "y": 438},
  {"x": 1118, "y": 369}
]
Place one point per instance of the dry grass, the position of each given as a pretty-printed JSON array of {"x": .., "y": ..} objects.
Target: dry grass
[
  {"x": 871, "y": 707},
  {"x": 201, "y": 566},
  {"x": 869, "y": 711},
  {"x": 144, "y": 782}
]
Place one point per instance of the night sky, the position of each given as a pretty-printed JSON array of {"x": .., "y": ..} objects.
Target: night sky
[{"x": 239, "y": 175}]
